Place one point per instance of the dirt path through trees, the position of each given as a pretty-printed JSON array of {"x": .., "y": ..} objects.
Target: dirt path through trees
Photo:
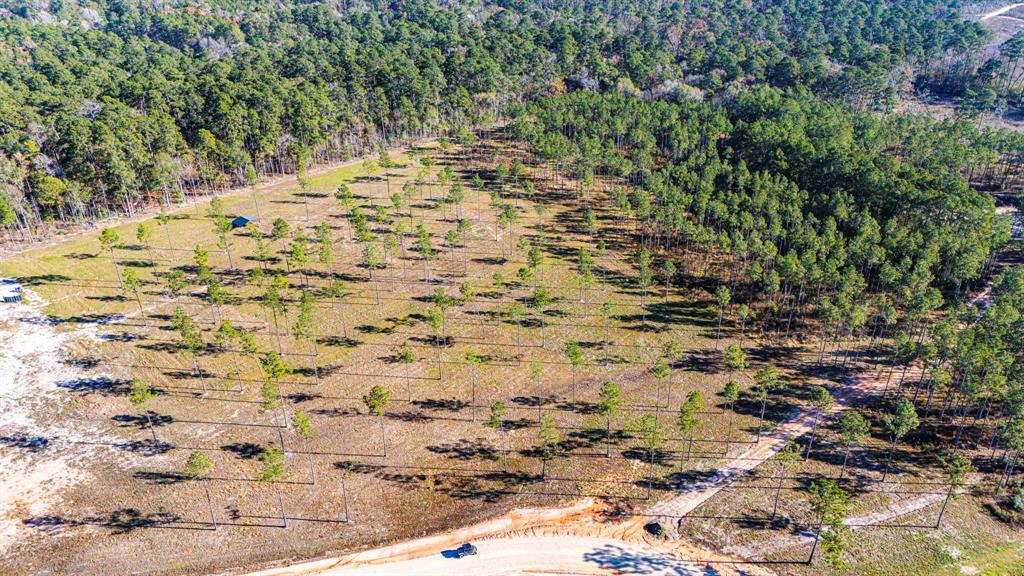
[
  {"x": 999, "y": 11},
  {"x": 888, "y": 514},
  {"x": 670, "y": 512}
]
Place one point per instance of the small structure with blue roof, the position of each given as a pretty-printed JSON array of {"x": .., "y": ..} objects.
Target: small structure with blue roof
[{"x": 242, "y": 221}]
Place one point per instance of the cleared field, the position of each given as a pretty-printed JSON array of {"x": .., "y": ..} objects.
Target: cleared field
[
  {"x": 431, "y": 461},
  {"x": 443, "y": 465}
]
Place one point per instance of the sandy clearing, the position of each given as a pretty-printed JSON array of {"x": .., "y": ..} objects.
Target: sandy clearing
[{"x": 34, "y": 470}]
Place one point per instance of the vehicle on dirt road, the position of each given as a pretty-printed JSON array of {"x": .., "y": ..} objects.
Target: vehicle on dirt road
[{"x": 466, "y": 549}]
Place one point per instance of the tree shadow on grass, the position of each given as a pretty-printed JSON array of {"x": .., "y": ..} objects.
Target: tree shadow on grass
[
  {"x": 358, "y": 467},
  {"x": 517, "y": 424},
  {"x": 334, "y": 412},
  {"x": 140, "y": 421},
  {"x": 161, "y": 478},
  {"x": 580, "y": 407},
  {"x": 339, "y": 341},
  {"x": 41, "y": 279},
  {"x": 466, "y": 450},
  {"x": 100, "y": 385},
  {"x": 409, "y": 416},
  {"x": 25, "y": 442},
  {"x": 121, "y": 337},
  {"x": 145, "y": 447},
  {"x": 82, "y": 362},
  {"x": 371, "y": 329},
  {"x": 473, "y": 488},
  {"x": 532, "y": 401},
  {"x": 108, "y": 298},
  {"x": 89, "y": 319},
  {"x": 687, "y": 481},
  {"x": 120, "y": 521},
  {"x": 442, "y": 404},
  {"x": 245, "y": 450},
  {"x": 598, "y": 436}
]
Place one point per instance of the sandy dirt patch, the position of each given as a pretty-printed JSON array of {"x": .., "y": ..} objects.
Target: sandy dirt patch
[{"x": 36, "y": 462}]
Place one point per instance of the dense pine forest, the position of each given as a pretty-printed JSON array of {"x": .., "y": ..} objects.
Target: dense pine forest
[{"x": 110, "y": 106}]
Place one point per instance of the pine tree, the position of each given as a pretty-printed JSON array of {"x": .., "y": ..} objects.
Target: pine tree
[
  {"x": 131, "y": 284},
  {"x": 853, "y": 428},
  {"x": 957, "y": 467},
  {"x": 198, "y": 468},
  {"x": 688, "y": 419},
  {"x": 731, "y": 393},
  {"x": 550, "y": 438},
  {"x": 139, "y": 394},
  {"x": 767, "y": 381},
  {"x": 110, "y": 239},
  {"x": 822, "y": 402},
  {"x": 722, "y": 298},
  {"x": 784, "y": 458},
  {"x": 474, "y": 360},
  {"x": 376, "y": 402},
  {"x": 611, "y": 401},
  {"x": 903, "y": 421},
  {"x": 830, "y": 503},
  {"x": 497, "y": 422},
  {"x": 653, "y": 437},
  {"x": 303, "y": 426},
  {"x": 405, "y": 357},
  {"x": 273, "y": 471},
  {"x": 574, "y": 353}
]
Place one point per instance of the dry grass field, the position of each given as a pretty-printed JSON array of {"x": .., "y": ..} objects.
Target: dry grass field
[{"x": 130, "y": 508}]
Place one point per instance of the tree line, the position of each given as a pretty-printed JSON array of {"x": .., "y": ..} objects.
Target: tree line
[{"x": 114, "y": 105}]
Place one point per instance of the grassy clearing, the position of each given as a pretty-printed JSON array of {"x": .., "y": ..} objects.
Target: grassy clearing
[{"x": 443, "y": 466}]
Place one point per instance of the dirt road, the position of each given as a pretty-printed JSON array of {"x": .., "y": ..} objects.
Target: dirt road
[
  {"x": 541, "y": 555},
  {"x": 566, "y": 540},
  {"x": 669, "y": 511},
  {"x": 908, "y": 505},
  {"x": 523, "y": 554},
  {"x": 999, "y": 11}
]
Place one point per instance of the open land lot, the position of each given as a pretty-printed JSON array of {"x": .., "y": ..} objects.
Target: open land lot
[{"x": 109, "y": 490}]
